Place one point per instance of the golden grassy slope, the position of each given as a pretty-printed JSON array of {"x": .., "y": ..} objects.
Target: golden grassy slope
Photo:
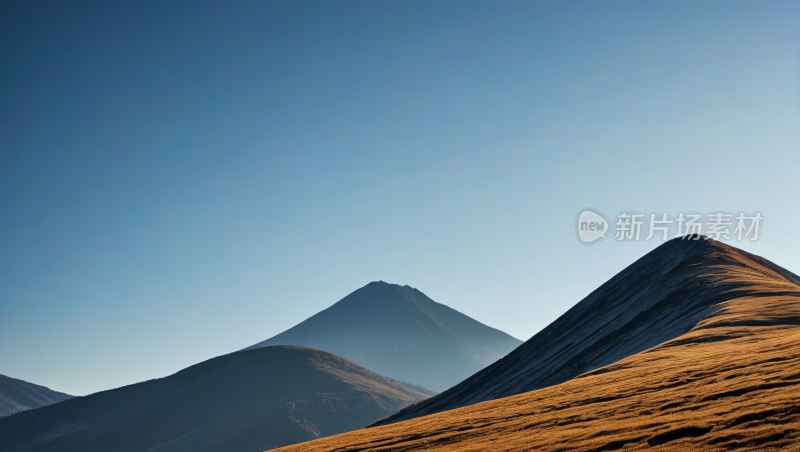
[{"x": 732, "y": 382}]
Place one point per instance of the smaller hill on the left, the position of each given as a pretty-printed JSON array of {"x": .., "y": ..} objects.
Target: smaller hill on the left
[
  {"x": 17, "y": 395},
  {"x": 250, "y": 400}
]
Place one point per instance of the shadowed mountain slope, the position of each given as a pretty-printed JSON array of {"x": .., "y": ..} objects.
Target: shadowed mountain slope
[
  {"x": 398, "y": 331},
  {"x": 17, "y": 395},
  {"x": 730, "y": 382},
  {"x": 657, "y": 298},
  {"x": 244, "y": 401}
]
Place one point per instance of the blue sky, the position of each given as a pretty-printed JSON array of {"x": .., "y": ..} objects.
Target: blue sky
[{"x": 182, "y": 180}]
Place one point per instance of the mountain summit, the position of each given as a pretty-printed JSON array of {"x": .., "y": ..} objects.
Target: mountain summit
[
  {"x": 398, "y": 331},
  {"x": 661, "y": 296}
]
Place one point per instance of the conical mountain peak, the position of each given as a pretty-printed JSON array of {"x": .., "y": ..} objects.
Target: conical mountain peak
[{"x": 400, "y": 332}]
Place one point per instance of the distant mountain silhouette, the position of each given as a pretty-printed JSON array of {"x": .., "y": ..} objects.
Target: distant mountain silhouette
[
  {"x": 657, "y": 298},
  {"x": 398, "y": 331},
  {"x": 245, "y": 401},
  {"x": 17, "y": 395}
]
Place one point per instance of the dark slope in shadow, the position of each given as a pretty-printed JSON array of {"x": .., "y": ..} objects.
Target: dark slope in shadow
[{"x": 252, "y": 400}]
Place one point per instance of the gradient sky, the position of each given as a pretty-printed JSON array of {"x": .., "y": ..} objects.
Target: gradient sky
[{"x": 182, "y": 180}]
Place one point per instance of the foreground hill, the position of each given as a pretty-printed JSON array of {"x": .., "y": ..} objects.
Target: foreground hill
[
  {"x": 17, "y": 395},
  {"x": 398, "y": 331},
  {"x": 657, "y": 298},
  {"x": 730, "y": 382},
  {"x": 244, "y": 401}
]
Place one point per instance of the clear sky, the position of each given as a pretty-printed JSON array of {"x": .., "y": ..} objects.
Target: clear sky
[{"x": 179, "y": 180}]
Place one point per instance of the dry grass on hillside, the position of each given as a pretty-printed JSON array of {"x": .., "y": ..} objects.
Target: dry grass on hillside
[{"x": 732, "y": 382}]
